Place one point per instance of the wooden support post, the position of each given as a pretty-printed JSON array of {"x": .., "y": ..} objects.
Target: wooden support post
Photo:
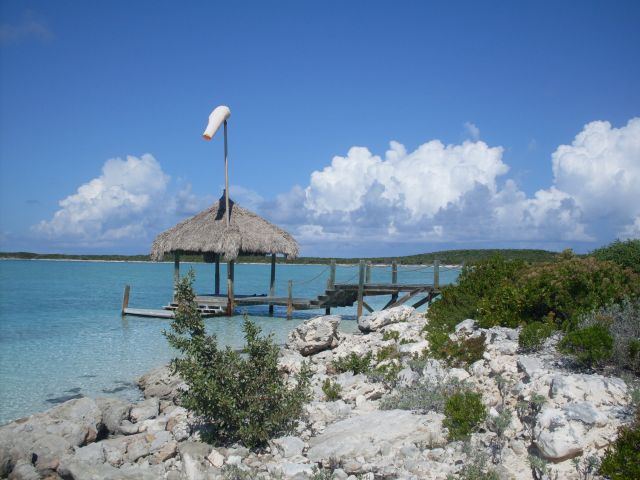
[
  {"x": 436, "y": 274},
  {"x": 367, "y": 306},
  {"x": 176, "y": 273},
  {"x": 394, "y": 280},
  {"x": 125, "y": 298},
  {"x": 230, "y": 296},
  {"x": 331, "y": 282},
  {"x": 332, "y": 275},
  {"x": 290, "y": 301},
  {"x": 360, "y": 288},
  {"x": 367, "y": 278},
  {"x": 272, "y": 283},
  {"x": 217, "y": 274}
]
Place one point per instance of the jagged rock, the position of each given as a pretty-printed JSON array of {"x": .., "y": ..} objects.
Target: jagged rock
[
  {"x": 315, "y": 335},
  {"x": 104, "y": 471},
  {"x": 216, "y": 458},
  {"x": 144, "y": 410},
  {"x": 365, "y": 435},
  {"x": 466, "y": 326},
  {"x": 290, "y": 361},
  {"x": 288, "y": 446},
  {"x": 596, "y": 389},
  {"x": 114, "y": 412},
  {"x": 24, "y": 470},
  {"x": 160, "y": 383},
  {"x": 193, "y": 455},
  {"x": 49, "y": 436},
  {"x": 414, "y": 348},
  {"x": 531, "y": 366},
  {"x": 556, "y": 437},
  {"x": 377, "y": 320}
]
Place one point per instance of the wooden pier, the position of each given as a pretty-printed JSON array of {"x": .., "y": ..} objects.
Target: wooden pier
[{"x": 335, "y": 295}]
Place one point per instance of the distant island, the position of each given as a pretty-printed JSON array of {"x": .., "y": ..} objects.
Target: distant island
[{"x": 455, "y": 257}]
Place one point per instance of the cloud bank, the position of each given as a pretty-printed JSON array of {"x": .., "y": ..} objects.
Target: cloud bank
[
  {"x": 437, "y": 195},
  {"x": 460, "y": 194},
  {"x": 128, "y": 201}
]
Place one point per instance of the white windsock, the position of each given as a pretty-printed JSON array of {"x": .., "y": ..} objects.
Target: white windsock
[{"x": 217, "y": 118}]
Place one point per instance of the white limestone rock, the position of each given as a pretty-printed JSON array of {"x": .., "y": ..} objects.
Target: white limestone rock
[
  {"x": 315, "y": 335},
  {"x": 366, "y": 435},
  {"x": 377, "y": 320}
]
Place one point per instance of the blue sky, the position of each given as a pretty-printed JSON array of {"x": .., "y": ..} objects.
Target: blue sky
[{"x": 514, "y": 124}]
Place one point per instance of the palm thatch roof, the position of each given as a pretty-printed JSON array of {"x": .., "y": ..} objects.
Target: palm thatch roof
[{"x": 207, "y": 233}]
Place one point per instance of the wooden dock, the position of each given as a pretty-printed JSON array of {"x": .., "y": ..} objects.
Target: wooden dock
[{"x": 335, "y": 295}]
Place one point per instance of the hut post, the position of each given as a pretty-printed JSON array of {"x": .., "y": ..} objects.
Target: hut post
[
  {"x": 436, "y": 274},
  {"x": 394, "y": 279},
  {"x": 290, "y": 301},
  {"x": 230, "y": 296},
  {"x": 217, "y": 274},
  {"x": 368, "y": 273},
  {"x": 125, "y": 299},
  {"x": 272, "y": 283},
  {"x": 331, "y": 283},
  {"x": 361, "y": 288},
  {"x": 176, "y": 273}
]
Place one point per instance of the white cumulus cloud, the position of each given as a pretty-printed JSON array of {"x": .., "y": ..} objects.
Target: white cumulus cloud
[
  {"x": 461, "y": 193},
  {"x": 118, "y": 204}
]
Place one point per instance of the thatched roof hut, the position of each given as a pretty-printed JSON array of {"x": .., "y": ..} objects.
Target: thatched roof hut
[{"x": 207, "y": 233}]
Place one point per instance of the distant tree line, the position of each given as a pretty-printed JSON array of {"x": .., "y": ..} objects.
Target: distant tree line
[{"x": 456, "y": 257}]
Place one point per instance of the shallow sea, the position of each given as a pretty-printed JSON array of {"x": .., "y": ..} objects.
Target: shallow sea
[{"x": 61, "y": 333}]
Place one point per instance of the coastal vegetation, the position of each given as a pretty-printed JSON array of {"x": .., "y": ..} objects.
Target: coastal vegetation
[
  {"x": 241, "y": 396},
  {"x": 541, "y": 297},
  {"x": 455, "y": 257}
]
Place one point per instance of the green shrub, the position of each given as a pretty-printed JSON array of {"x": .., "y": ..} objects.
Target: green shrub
[
  {"x": 459, "y": 353},
  {"x": 623, "y": 322},
  {"x": 387, "y": 373},
  {"x": 463, "y": 411},
  {"x": 621, "y": 460},
  {"x": 533, "y": 335},
  {"x": 459, "y": 302},
  {"x": 390, "y": 352},
  {"x": 590, "y": 346},
  {"x": 625, "y": 254},
  {"x": 240, "y": 397},
  {"x": 423, "y": 396},
  {"x": 354, "y": 363},
  {"x": 560, "y": 292},
  {"x": 476, "y": 467},
  {"x": 332, "y": 390},
  {"x": 390, "y": 335}
]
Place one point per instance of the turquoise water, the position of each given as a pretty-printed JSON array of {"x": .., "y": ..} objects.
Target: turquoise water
[{"x": 61, "y": 333}]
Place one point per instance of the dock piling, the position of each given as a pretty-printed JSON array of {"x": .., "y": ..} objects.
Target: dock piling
[
  {"x": 290, "y": 301},
  {"x": 272, "y": 283},
  {"x": 436, "y": 274},
  {"x": 361, "y": 288},
  {"x": 125, "y": 299}
]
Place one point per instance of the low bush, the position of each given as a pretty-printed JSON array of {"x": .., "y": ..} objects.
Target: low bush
[
  {"x": 476, "y": 467},
  {"x": 625, "y": 254},
  {"x": 332, "y": 390},
  {"x": 623, "y": 322},
  {"x": 387, "y": 373},
  {"x": 591, "y": 345},
  {"x": 423, "y": 396},
  {"x": 241, "y": 397},
  {"x": 391, "y": 335},
  {"x": 353, "y": 363},
  {"x": 390, "y": 352},
  {"x": 460, "y": 353},
  {"x": 621, "y": 460},
  {"x": 533, "y": 335},
  {"x": 558, "y": 292},
  {"x": 463, "y": 411}
]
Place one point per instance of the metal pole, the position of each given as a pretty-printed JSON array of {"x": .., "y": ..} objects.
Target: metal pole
[{"x": 226, "y": 174}]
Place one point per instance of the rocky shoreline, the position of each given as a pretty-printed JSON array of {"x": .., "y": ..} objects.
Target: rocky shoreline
[{"x": 355, "y": 436}]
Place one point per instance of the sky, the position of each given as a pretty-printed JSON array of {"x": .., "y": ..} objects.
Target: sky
[{"x": 364, "y": 128}]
